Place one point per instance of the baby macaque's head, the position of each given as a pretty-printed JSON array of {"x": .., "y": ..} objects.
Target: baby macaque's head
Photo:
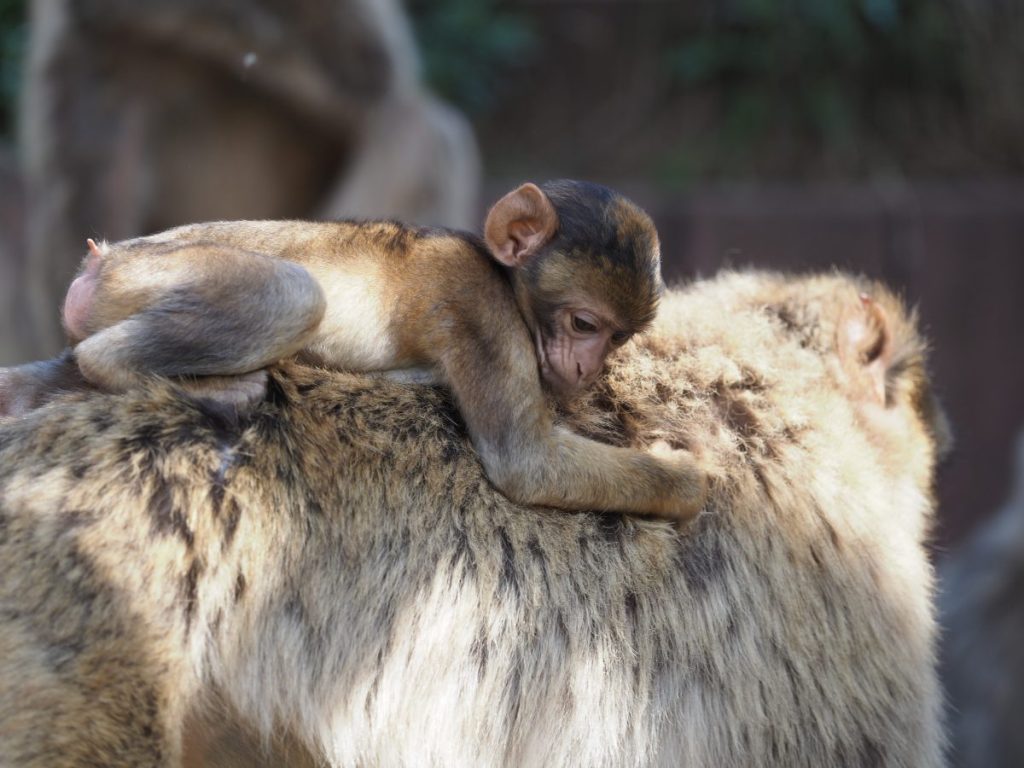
[{"x": 586, "y": 270}]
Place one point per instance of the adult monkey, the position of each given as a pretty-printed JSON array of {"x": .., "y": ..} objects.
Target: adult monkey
[
  {"x": 337, "y": 568},
  {"x": 139, "y": 116}
]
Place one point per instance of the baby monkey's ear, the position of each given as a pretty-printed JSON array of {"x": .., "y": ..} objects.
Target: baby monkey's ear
[
  {"x": 865, "y": 345},
  {"x": 519, "y": 225}
]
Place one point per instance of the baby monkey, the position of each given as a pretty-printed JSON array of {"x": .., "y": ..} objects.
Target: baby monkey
[{"x": 570, "y": 271}]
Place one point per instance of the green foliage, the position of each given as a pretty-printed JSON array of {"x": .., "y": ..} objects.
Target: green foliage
[
  {"x": 829, "y": 71},
  {"x": 468, "y": 46},
  {"x": 13, "y": 34}
]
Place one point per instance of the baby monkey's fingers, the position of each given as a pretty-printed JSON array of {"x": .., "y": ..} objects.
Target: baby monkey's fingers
[{"x": 691, "y": 482}]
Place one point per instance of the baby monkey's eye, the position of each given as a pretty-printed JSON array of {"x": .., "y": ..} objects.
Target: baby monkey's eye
[
  {"x": 620, "y": 338},
  {"x": 582, "y": 325}
]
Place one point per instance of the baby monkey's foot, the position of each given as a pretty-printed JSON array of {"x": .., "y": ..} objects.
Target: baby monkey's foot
[
  {"x": 26, "y": 387},
  {"x": 239, "y": 392},
  {"x": 691, "y": 482},
  {"x": 15, "y": 397}
]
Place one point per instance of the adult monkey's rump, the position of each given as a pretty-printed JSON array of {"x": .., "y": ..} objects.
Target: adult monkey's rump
[{"x": 336, "y": 566}]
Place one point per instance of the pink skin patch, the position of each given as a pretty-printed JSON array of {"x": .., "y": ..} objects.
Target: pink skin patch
[
  {"x": 570, "y": 363},
  {"x": 573, "y": 356},
  {"x": 78, "y": 301}
]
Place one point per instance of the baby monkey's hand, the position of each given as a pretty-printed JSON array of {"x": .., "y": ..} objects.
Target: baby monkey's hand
[{"x": 691, "y": 482}]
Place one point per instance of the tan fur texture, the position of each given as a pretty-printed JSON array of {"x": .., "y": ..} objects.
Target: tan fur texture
[{"x": 337, "y": 568}]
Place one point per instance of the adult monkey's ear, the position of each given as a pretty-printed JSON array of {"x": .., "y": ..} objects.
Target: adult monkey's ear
[
  {"x": 519, "y": 225},
  {"x": 865, "y": 345}
]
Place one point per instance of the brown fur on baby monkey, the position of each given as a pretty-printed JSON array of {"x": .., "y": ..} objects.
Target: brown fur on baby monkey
[{"x": 573, "y": 270}]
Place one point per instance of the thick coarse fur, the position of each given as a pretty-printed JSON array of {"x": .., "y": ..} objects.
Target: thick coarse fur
[
  {"x": 337, "y": 568},
  {"x": 982, "y": 612},
  {"x": 140, "y": 116}
]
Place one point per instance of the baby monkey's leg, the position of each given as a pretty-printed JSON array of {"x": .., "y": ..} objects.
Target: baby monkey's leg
[{"x": 180, "y": 309}]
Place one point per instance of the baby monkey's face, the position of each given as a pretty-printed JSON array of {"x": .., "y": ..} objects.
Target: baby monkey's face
[{"x": 573, "y": 347}]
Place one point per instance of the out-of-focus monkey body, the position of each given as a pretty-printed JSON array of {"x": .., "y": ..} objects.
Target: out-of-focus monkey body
[
  {"x": 568, "y": 273},
  {"x": 141, "y": 116}
]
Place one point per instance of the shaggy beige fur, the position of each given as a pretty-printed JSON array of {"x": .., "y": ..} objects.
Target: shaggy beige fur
[{"x": 337, "y": 567}]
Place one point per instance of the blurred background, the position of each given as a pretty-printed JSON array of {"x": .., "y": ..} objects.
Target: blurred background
[{"x": 880, "y": 136}]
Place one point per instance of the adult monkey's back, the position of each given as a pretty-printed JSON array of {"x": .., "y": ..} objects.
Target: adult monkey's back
[{"x": 337, "y": 567}]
